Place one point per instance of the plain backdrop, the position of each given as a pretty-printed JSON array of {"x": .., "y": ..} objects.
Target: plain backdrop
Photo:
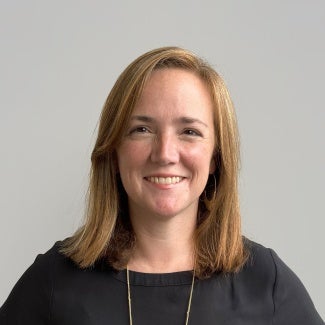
[{"x": 59, "y": 59}]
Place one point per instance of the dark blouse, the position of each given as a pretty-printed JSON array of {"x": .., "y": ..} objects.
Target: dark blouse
[{"x": 55, "y": 291}]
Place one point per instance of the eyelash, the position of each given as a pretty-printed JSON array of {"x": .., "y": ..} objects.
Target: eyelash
[
  {"x": 139, "y": 129},
  {"x": 193, "y": 133},
  {"x": 144, "y": 129}
]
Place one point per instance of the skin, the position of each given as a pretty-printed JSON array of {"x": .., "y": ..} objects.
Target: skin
[{"x": 164, "y": 161}]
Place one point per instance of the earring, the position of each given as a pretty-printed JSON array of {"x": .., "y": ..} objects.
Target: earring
[{"x": 210, "y": 192}]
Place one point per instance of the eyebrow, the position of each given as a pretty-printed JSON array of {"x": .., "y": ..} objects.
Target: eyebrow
[
  {"x": 142, "y": 118},
  {"x": 183, "y": 119},
  {"x": 191, "y": 120}
]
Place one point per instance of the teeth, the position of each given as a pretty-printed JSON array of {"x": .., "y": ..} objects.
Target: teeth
[{"x": 165, "y": 180}]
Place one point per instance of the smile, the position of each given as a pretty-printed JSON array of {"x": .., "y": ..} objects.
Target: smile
[{"x": 165, "y": 180}]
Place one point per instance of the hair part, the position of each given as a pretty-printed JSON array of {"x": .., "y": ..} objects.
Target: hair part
[{"x": 107, "y": 231}]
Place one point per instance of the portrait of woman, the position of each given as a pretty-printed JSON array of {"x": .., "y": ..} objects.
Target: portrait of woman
[{"x": 162, "y": 240}]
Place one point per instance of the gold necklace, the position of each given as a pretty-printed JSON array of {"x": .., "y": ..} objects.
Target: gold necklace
[{"x": 129, "y": 298}]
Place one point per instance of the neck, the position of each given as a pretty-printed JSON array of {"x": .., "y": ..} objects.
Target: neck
[{"x": 163, "y": 246}]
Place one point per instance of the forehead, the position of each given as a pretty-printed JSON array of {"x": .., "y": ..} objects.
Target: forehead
[{"x": 172, "y": 90}]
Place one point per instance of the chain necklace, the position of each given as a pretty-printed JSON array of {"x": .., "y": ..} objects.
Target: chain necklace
[{"x": 129, "y": 298}]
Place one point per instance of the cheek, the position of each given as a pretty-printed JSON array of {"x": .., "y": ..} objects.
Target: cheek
[
  {"x": 130, "y": 155},
  {"x": 201, "y": 156}
]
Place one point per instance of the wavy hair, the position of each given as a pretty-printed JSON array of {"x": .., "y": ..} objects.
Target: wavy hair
[{"x": 107, "y": 231}]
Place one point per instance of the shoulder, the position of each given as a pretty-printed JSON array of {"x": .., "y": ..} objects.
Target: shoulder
[
  {"x": 32, "y": 293},
  {"x": 291, "y": 301},
  {"x": 53, "y": 260},
  {"x": 260, "y": 263},
  {"x": 41, "y": 270},
  {"x": 45, "y": 261},
  {"x": 259, "y": 255},
  {"x": 265, "y": 262},
  {"x": 47, "y": 264}
]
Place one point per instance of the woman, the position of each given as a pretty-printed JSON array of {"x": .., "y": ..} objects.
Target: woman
[{"x": 162, "y": 242}]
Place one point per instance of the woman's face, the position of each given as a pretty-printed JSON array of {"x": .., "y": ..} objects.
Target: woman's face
[{"x": 165, "y": 156}]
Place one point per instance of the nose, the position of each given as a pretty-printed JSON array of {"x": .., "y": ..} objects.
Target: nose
[{"x": 165, "y": 150}]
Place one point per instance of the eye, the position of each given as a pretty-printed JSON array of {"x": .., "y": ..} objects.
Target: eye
[
  {"x": 193, "y": 133},
  {"x": 139, "y": 130}
]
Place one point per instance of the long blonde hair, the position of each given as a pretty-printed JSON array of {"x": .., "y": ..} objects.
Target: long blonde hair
[{"x": 107, "y": 232}]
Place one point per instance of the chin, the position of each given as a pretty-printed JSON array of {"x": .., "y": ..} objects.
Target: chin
[{"x": 168, "y": 212}]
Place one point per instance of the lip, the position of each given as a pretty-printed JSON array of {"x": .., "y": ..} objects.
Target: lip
[{"x": 164, "y": 175}]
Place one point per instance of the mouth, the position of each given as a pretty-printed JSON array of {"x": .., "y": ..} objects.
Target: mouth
[{"x": 164, "y": 180}]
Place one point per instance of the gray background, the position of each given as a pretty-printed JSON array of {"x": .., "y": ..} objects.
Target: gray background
[{"x": 58, "y": 61}]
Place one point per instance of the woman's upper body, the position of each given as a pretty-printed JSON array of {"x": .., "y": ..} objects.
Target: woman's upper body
[
  {"x": 163, "y": 189},
  {"x": 163, "y": 200},
  {"x": 55, "y": 291}
]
